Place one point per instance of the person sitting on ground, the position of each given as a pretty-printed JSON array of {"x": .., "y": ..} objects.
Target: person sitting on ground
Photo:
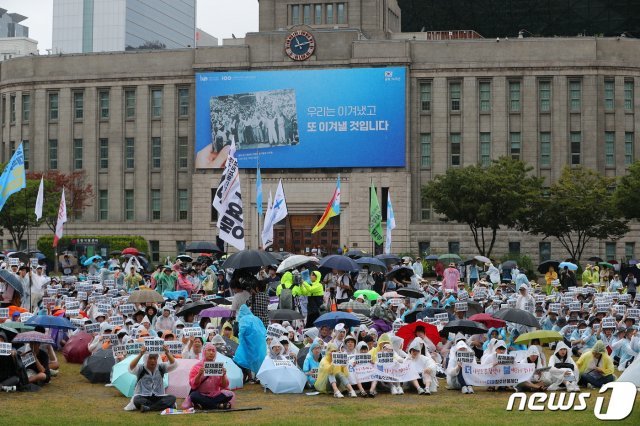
[
  {"x": 208, "y": 392},
  {"x": 596, "y": 367},
  {"x": 149, "y": 393},
  {"x": 9, "y": 369},
  {"x": 425, "y": 365},
  {"x": 455, "y": 379},
  {"x": 564, "y": 371},
  {"x": 333, "y": 377},
  {"x": 312, "y": 362},
  {"x": 535, "y": 383}
]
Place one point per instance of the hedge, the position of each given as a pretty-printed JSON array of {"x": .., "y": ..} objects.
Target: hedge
[{"x": 114, "y": 242}]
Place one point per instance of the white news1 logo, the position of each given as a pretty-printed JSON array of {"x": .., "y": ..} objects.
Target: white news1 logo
[{"x": 623, "y": 396}]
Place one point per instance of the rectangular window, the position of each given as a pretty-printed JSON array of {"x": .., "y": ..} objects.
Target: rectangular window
[
  {"x": 155, "y": 204},
  {"x": 455, "y": 140},
  {"x": 78, "y": 105},
  {"x": 129, "y": 153},
  {"x": 425, "y": 211},
  {"x": 544, "y": 251},
  {"x": 183, "y": 152},
  {"x": 329, "y": 14},
  {"x": 103, "y": 204},
  {"x": 214, "y": 212},
  {"x": 384, "y": 199},
  {"x": 156, "y": 152},
  {"x": 485, "y": 96},
  {"x": 545, "y": 149},
  {"x": 103, "y": 104},
  {"x": 425, "y": 97},
  {"x": 295, "y": 14},
  {"x": 156, "y": 103},
  {"x": 26, "y": 152},
  {"x": 609, "y": 95},
  {"x": 154, "y": 247},
  {"x": 77, "y": 154},
  {"x": 53, "y": 106},
  {"x": 575, "y": 95},
  {"x": 514, "y": 96},
  {"x": 544, "y": 96},
  {"x": 514, "y": 248},
  {"x": 12, "y": 147},
  {"x": 610, "y": 251},
  {"x": 454, "y": 247},
  {"x": 104, "y": 153},
  {"x": 3, "y": 111},
  {"x": 53, "y": 154},
  {"x": 628, "y": 95},
  {"x": 609, "y": 149},
  {"x": 183, "y": 204},
  {"x": 180, "y": 246},
  {"x": 26, "y": 108},
  {"x": 129, "y": 212},
  {"x": 183, "y": 102},
  {"x": 576, "y": 141},
  {"x": 424, "y": 248},
  {"x": 485, "y": 149},
  {"x": 130, "y": 103},
  {"x": 342, "y": 14},
  {"x": 454, "y": 96},
  {"x": 306, "y": 11},
  {"x": 317, "y": 16},
  {"x": 629, "y": 250},
  {"x": 628, "y": 148},
  {"x": 425, "y": 150},
  {"x": 515, "y": 145},
  {"x": 12, "y": 108}
]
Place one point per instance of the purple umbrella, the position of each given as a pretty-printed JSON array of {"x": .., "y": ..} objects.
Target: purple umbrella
[
  {"x": 32, "y": 337},
  {"x": 216, "y": 312}
]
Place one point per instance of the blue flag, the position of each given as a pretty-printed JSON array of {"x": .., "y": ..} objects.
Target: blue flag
[
  {"x": 13, "y": 177},
  {"x": 259, "y": 192}
]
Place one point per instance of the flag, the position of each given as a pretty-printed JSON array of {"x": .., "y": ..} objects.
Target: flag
[
  {"x": 62, "y": 218},
  {"x": 13, "y": 177},
  {"x": 278, "y": 212},
  {"x": 40, "y": 199},
  {"x": 375, "y": 217},
  {"x": 333, "y": 209},
  {"x": 267, "y": 214},
  {"x": 391, "y": 224},
  {"x": 259, "y": 191},
  {"x": 228, "y": 203}
]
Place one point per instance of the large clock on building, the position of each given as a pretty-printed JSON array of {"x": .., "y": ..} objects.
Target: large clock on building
[{"x": 300, "y": 45}]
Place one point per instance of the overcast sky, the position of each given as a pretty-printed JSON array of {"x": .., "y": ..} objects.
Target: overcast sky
[{"x": 219, "y": 18}]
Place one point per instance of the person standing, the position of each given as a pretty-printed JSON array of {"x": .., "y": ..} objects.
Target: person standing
[
  {"x": 149, "y": 394},
  {"x": 418, "y": 268},
  {"x": 451, "y": 278},
  {"x": 630, "y": 283}
]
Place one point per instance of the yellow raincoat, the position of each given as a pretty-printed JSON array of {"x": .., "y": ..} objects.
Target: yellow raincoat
[{"x": 327, "y": 369}]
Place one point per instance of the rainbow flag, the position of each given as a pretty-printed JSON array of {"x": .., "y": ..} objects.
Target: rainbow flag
[{"x": 333, "y": 209}]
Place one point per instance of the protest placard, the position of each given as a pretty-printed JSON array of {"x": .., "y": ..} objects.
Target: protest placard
[
  {"x": 500, "y": 375},
  {"x": 28, "y": 359},
  {"x": 213, "y": 368},
  {"x": 504, "y": 306},
  {"x": 92, "y": 328},
  {"x": 443, "y": 318},
  {"x": 570, "y": 329},
  {"x": 51, "y": 292},
  {"x": 574, "y": 307},
  {"x": 339, "y": 358},
  {"x": 539, "y": 298},
  {"x": 154, "y": 346},
  {"x": 282, "y": 363},
  {"x": 463, "y": 295},
  {"x": 506, "y": 359},
  {"x": 609, "y": 322},
  {"x": 104, "y": 307},
  {"x": 362, "y": 358},
  {"x": 25, "y": 316},
  {"x": 620, "y": 309},
  {"x": 119, "y": 350},
  {"x": 34, "y": 262},
  {"x": 14, "y": 261},
  {"x": 192, "y": 331},
  {"x": 5, "y": 349},
  {"x": 554, "y": 307},
  {"x": 633, "y": 313},
  {"x": 196, "y": 297},
  {"x": 480, "y": 294},
  {"x": 127, "y": 309},
  {"x": 81, "y": 295},
  {"x": 72, "y": 304},
  {"x": 385, "y": 357},
  {"x": 314, "y": 373},
  {"x": 397, "y": 326},
  {"x": 511, "y": 303},
  {"x": 78, "y": 322},
  {"x": 396, "y": 301},
  {"x": 72, "y": 312},
  {"x": 133, "y": 348},
  {"x": 175, "y": 347},
  {"x": 116, "y": 320},
  {"x": 274, "y": 331},
  {"x": 462, "y": 306},
  {"x": 468, "y": 357},
  {"x": 602, "y": 307},
  {"x": 4, "y": 313}
]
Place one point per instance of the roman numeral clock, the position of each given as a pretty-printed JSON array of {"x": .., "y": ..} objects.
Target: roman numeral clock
[{"x": 300, "y": 45}]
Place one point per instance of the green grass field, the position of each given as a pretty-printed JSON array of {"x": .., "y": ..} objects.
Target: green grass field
[{"x": 70, "y": 400}]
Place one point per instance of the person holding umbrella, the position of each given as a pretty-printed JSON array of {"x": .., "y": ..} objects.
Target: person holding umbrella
[
  {"x": 549, "y": 278},
  {"x": 149, "y": 394}
]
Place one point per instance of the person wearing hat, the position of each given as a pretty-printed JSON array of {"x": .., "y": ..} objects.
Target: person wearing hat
[
  {"x": 596, "y": 367},
  {"x": 423, "y": 364},
  {"x": 102, "y": 340},
  {"x": 627, "y": 348},
  {"x": 339, "y": 334},
  {"x": 525, "y": 301},
  {"x": 582, "y": 338},
  {"x": 451, "y": 277},
  {"x": 455, "y": 378}
]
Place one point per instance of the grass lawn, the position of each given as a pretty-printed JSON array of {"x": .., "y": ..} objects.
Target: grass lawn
[{"x": 70, "y": 400}]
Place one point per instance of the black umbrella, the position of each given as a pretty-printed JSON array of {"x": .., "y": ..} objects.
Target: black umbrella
[
  {"x": 543, "y": 268},
  {"x": 403, "y": 271},
  {"x": 410, "y": 292},
  {"x": 12, "y": 280},
  {"x": 302, "y": 354},
  {"x": 412, "y": 317},
  {"x": 97, "y": 368},
  {"x": 473, "y": 308},
  {"x": 249, "y": 259},
  {"x": 285, "y": 315},
  {"x": 431, "y": 257},
  {"x": 231, "y": 346},
  {"x": 517, "y": 316},
  {"x": 596, "y": 259},
  {"x": 464, "y": 327},
  {"x": 194, "y": 308},
  {"x": 202, "y": 247},
  {"x": 389, "y": 259},
  {"x": 509, "y": 264},
  {"x": 339, "y": 262},
  {"x": 355, "y": 254},
  {"x": 115, "y": 253},
  {"x": 431, "y": 312}
]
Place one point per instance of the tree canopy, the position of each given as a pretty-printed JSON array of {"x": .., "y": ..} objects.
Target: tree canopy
[{"x": 626, "y": 197}]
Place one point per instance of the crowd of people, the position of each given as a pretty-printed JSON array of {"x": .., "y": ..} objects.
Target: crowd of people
[{"x": 348, "y": 333}]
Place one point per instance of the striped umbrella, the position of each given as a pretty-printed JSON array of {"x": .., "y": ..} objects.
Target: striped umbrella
[
  {"x": 364, "y": 319},
  {"x": 32, "y": 337}
]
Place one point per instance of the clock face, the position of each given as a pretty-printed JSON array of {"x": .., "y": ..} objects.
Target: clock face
[{"x": 299, "y": 45}]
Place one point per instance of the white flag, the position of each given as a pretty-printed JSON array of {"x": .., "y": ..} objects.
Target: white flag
[
  {"x": 276, "y": 214},
  {"x": 40, "y": 200},
  {"x": 228, "y": 203},
  {"x": 391, "y": 224},
  {"x": 62, "y": 218},
  {"x": 266, "y": 215}
]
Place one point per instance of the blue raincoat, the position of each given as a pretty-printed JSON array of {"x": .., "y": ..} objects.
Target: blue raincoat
[{"x": 252, "y": 348}]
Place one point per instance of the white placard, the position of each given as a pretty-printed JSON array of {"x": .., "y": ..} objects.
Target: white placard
[
  {"x": 339, "y": 358},
  {"x": 396, "y": 301},
  {"x": 133, "y": 348},
  {"x": 4, "y": 313},
  {"x": 362, "y": 358},
  {"x": 506, "y": 359},
  {"x": 28, "y": 359},
  {"x": 127, "y": 308},
  {"x": 443, "y": 318},
  {"x": 633, "y": 313},
  {"x": 192, "y": 331},
  {"x": 620, "y": 309},
  {"x": 175, "y": 347},
  {"x": 540, "y": 299},
  {"x": 213, "y": 368},
  {"x": 480, "y": 293},
  {"x": 602, "y": 307},
  {"x": 314, "y": 373},
  {"x": 14, "y": 261},
  {"x": 154, "y": 346},
  {"x": 397, "y": 326},
  {"x": 385, "y": 358},
  {"x": 25, "y": 316},
  {"x": 104, "y": 307},
  {"x": 92, "y": 328},
  {"x": 34, "y": 262},
  {"x": 71, "y": 305},
  {"x": 5, "y": 349},
  {"x": 555, "y": 307},
  {"x": 119, "y": 350},
  {"x": 464, "y": 356},
  {"x": 51, "y": 292},
  {"x": 569, "y": 329},
  {"x": 282, "y": 363},
  {"x": 274, "y": 331},
  {"x": 511, "y": 303},
  {"x": 116, "y": 320},
  {"x": 609, "y": 322},
  {"x": 463, "y": 295},
  {"x": 574, "y": 307},
  {"x": 81, "y": 295},
  {"x": 49, "y": 301},
  {"x": 78, "y": 322},
  {"x": 462, "y": 306},
  {"x": 72, "y": 312},
  {"x": 196, "y": 297}
]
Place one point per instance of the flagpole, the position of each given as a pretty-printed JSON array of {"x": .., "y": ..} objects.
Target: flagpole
[
  {"x": 373, "y": 242},
  {"x": 258, "y": 207}
]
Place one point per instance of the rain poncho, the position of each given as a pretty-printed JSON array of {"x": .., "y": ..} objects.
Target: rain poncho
[
  {"x": 314, "y": 288},
  {"x": 326, "y": 369},
  {"x": 421, "y": 363},
  {"x": 209, "y": 386},
  {"x": 227, "y": 324},
  {"x": 310, "y": 363},
  {"x": 385, "y": 338},
  {"x": 587, "y": 361},
  {"x": 287, "y": 282},
  {"x": 280, "y": 355},
  {"x": 251, "y": 350},
  {"x": 452, "y": 366},
  {"x": 556, "y": 374}
]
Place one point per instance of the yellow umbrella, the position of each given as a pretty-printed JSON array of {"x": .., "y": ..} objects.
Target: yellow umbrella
[{"x": 544, "y": 336}]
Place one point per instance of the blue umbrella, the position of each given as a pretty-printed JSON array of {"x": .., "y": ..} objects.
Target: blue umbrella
[
  {"x": 282, "y": 378},
  {"x": 373, "y": 264},
  {"x": 330, "y": 320},
  {"x": 431, "y": 257},
  {"x": 339, "y": 262},
  {"x": 571, "y": 266},
  {"x": 49, "y": 321},
  {"x": 90, "y": 260},
  {"x": 12, "y": 280},
  {"x": 124, "y": 381}
]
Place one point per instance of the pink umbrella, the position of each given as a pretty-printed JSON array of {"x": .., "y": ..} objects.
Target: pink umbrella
[
  {"x": 216, "y": 312},
  {"x": 179, "y": 378},
  {"x": 392, "y": 295},
  {"x": 77, "y": 348},
  {"x": 488, "y": 320}
]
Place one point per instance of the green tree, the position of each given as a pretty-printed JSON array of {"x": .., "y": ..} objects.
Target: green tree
[
  {"x": 579, "y": 208},
  {"x": 485, "y": 198},
  {"x": 626, "y": 197}
]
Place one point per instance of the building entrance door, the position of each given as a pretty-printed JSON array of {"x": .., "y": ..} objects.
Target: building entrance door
[{"x": 294, "y": 235}]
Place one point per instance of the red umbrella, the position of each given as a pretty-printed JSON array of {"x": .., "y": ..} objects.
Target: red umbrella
[
  {"x": 131, "y": 250},
  {"x": 488, "y": 320},
  {"x": 77, "y": 348},
  {"x": 408, "y": 332}
]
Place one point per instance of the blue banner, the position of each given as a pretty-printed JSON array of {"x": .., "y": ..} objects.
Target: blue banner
[
  {"x": 13, "y": 177},
  {"x": 302, "y": 119}
]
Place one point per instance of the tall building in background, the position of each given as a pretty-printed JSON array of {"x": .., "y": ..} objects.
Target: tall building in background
[
  {"x": 86, "y": 26},
  {"x": 14, "y": 38}
]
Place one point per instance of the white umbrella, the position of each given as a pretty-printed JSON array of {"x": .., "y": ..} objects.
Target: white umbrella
[
  {"x": 482, "y": 259},
  {"x": 294, "y": 261}
]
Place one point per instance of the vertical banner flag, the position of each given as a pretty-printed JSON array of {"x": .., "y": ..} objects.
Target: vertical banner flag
[
  {"x": 259, "y": 191},
  {"x": 40, "y": 199},
  {"x": 333, "y": 209},
  {"x": 266, "y": 215},
  {"x": 375, "y": 217},
  {"x": 391, "y": 224},
  {"x": 278, "y": 212},
  {"x": 228, "y": 203},
  {"x": 13, "y": 177},
  {"x": 62, "y": 218}
]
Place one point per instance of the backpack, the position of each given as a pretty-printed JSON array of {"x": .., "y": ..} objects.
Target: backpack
[{"x": 286, "y": 298}]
